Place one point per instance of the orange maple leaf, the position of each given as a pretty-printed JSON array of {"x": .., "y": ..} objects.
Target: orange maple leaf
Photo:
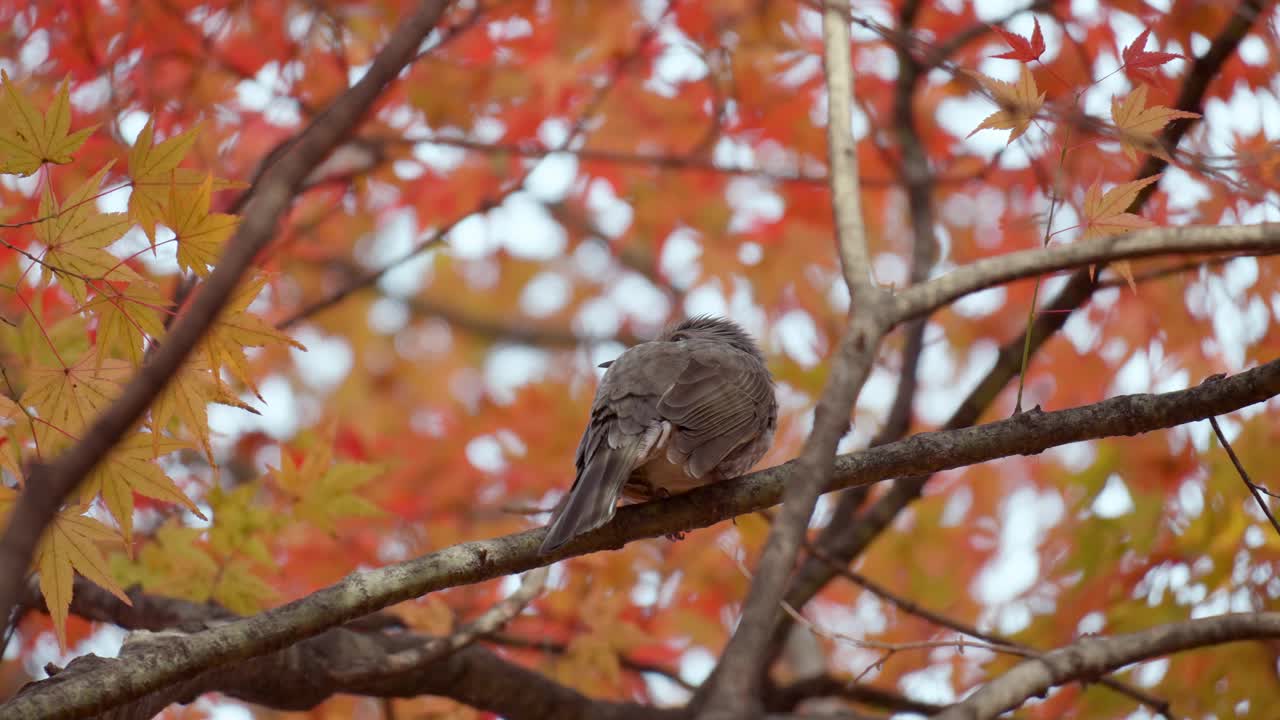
[
  {"x": 1138, "y": 124},
  {"x": 1107, "y": 213},
  {"x": 1019, "y": 102}
]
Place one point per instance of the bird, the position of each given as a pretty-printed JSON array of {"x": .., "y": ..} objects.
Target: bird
[{"x": 692, "y": 407}]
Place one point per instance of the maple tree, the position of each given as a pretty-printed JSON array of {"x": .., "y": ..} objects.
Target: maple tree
[{"x": 301, "y": 306}]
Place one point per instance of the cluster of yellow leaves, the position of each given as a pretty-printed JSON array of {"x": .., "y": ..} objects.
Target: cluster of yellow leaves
[{"x": 65, "y": 365}]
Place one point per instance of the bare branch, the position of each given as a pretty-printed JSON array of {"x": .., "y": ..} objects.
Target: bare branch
[
  {"x": 988, "y": 272},
  {"x": 1254, "y": 489},
  {"x": 48, "y": 485},
  {"x": 429, "y": 652},
  {"x": 909, "y": 606},
  {"x": 1090, "y": 657},
  {"x": 734, "y": 688},
  {"x": 364, "y": 592}
]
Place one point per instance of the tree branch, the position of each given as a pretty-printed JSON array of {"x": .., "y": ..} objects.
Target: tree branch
[
  {"x": 303, "y": 675},
  {"x": 1090, "y": 657},
  {"x": 48, "y": 485},
  {"x": 854, "y": 537},
  {"x": 734, "y": 688},
  {"x": 992, "y": 271},
  {"x": 362, "y": 593},
  {"x": 910, "y": 606}
]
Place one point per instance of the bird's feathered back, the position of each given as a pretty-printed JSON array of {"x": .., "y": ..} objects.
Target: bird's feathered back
[{"x": 694, "y": 406}]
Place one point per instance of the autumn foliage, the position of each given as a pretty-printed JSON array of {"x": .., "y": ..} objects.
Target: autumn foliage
[{"x": 409, "y": 362}]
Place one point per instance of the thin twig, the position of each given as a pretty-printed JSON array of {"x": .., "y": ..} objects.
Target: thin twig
[{"x": 1253, "y": 487}]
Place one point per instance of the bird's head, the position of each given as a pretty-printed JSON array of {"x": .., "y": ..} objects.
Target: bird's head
[{"x": 707, "y": 327}]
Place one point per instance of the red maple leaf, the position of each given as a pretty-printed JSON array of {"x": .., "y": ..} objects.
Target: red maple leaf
[
  {"x": 1135, "y": 58},
  {"x": 1023, "y": 49}
]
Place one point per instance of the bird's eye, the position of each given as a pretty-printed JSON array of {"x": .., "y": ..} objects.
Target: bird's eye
[{"x": 678, "y": 337}]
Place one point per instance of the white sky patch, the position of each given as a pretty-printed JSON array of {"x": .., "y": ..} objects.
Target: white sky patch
[
  {"x": 679, "y": 259},
  {"x": 798, "y": 336},
  {"x": 553, "y": 177},
  {"x": 438, "y": 156},
  {"x": 890, "y": 269},
  {"x": 638, "y": 299},
  {"x": 388, "y": 315},
  {"x": 509, "y": 368},
  {"x": 1025, "y": 515},
  {"x": 982, "y": 302},
  {"x": 599, "y": 317},
  {"x": 753, "y": 202},
  {"x": 526, "y": 228},
  {"x": 678, "y": 64},
  {"x": 612, "y": 216},
  {"x": 931, "y": 684},
  {"x": 485, "y": 454},
  {"x": 1114, "y": 501},
  {"x": 545, "y": 294},
  {"x": 35, "y": 50},
  {"x": 696, "y": 665},
  {"x": 706, "y": 299},
  {"x": 471, "y": 239},
  {"x": 326, "y": 361}
]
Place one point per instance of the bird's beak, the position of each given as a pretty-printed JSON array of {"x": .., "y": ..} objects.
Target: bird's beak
[{"x": 605, "y": 364}]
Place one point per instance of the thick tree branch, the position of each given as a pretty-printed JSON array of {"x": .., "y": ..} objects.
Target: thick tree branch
[
  {"x": 1090, "y": 657},
  {"x": 305, "y": 674},
  {"x": 48, "y": 485},
  {"x": 362, "y": 593},
  {"x": 734, "y": 688}
]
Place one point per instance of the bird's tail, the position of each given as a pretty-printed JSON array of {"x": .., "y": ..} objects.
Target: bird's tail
[{"x": 594, "y": 496}]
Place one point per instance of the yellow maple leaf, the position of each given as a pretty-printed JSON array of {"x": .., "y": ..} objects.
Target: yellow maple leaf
[
  {"x": 67, "y": 399},
  {"x": 240, "y": 519},
  {"x": 200, "y": 234},
  {"x": 325, "y": 491},
  {"x": 153, "y": 170},
  {"x": 131, "y": 467},
  {"x": 240, "y": 590},
  {"x": 186, "y": 399},
  {"x": 175, "y": 563},
  {"x": 76, "y": 235},
  {"x": 29, "y": 138},
  {"x": 126, "y": 318},
  {"x": 1019, "y": 102},
  {"x": 14, "y": 427},
  {"x": 236, "y": 329},
  {"x": 70, "y": 543},
  {"x": 1138, "y": 124},
  {"x": 1107, "y": 213}
]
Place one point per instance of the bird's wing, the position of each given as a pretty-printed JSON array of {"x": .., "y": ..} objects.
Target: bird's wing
[
  {"x": 722, "y": 400},
  {"x": 624, "y": 431}
]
